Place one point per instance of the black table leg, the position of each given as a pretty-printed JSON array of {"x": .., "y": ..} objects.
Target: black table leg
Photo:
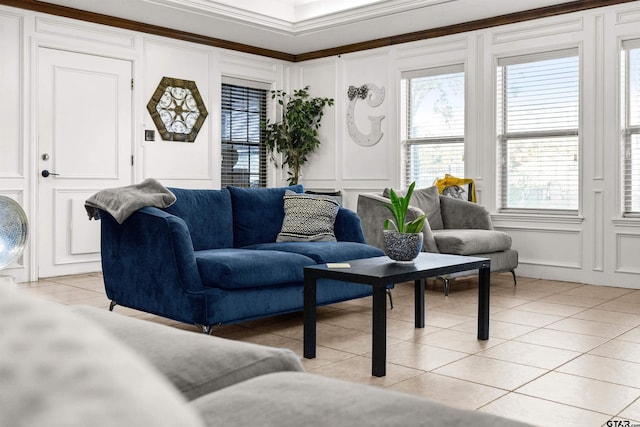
[
  {"x": 379, "y": 345},
  {"x": 309, "y": 318},
  {"x": 418, "y": 294},
  {"x": 483, "y": 302}
]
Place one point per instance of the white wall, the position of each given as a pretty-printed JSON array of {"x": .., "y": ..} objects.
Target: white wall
[
  {"x": 190, "y": 165},
  {"x": 14, "y": 151},
  {"x": 598, "y": 246}
]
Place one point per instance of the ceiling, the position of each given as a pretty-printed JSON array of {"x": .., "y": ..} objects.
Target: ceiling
[{"x": 300, "y": 26}]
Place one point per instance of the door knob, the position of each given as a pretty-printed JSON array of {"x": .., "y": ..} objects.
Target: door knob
[{"x": 45, "y": 173}]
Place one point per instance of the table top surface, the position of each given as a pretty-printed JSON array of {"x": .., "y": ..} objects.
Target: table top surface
[{"x": 383, "y": 270}]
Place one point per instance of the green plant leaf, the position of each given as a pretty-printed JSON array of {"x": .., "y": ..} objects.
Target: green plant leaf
[
  {"x": 398, "y": 208},
  {"x": 388, "y": 223},
  {"x": 416, "y": 225},
  {"x": 407, "y": 197}
]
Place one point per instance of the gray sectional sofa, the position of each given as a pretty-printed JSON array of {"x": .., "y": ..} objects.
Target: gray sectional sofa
[
  {"x": 453, "y": 226},
  {"x": 82, "y": 366}
]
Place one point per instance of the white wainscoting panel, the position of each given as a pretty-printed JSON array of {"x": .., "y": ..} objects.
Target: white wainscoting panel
[
  {"x": 554, "y": 247},
  {"x": 627, "y": 250},
  {"x": 82, "y": 31},
  {"x": 628, "y": 16},
  {"x": 537, "y": 29},
  {"x": 85, "y": 233},
  {"x": 367, "y": 162},
  {"x": 598, "y": 230},
  {"x": 171, "y": 160},
  {"x": 430, "y": 47},
  {"x": 11, "y": 159},
  {"x": 321, "y": 77},
  {"x": 250, "y": 67},
  {"x": 70, "y": 245},
  {"x": 71, "y": 157}
]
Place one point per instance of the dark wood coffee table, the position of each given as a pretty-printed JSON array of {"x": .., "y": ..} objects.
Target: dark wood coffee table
[{"x": 380, "y": 272}]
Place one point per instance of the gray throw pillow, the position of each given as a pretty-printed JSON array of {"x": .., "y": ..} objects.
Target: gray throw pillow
[
  {"x": 308, "y": 218},
  {"x": 426, "y": 199}
]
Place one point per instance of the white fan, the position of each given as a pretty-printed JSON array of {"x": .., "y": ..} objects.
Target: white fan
[{"x": 14, "y": 228}]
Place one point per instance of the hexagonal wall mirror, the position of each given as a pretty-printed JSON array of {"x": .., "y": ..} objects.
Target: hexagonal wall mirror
[{"x": 177, "y": 109}]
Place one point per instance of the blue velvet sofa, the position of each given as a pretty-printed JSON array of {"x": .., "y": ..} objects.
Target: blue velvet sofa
[{"x": 212, "y": 257}]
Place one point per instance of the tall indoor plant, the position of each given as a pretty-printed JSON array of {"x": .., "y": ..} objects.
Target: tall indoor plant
[
  {"x": 403, "y": 243},
  {"x": 296, "y": 135}
]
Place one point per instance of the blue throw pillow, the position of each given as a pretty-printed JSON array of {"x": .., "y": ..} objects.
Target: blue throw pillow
[{"x": 258, "y": 213}]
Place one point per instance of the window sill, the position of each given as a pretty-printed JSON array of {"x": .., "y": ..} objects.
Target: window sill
[
  {"x": 626, "y": 222},
  {"x": 538, "y": 218}
]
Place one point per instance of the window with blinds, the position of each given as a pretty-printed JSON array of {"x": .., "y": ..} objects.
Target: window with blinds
[
  {"x": 538, "y": 132},
  {"x": 433, "y": 124},
  {"x": 243, "y": 110},
  {"x": 630, "y": 114}
]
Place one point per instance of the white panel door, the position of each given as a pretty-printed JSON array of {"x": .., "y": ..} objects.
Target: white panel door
[{"x": 84, "y": 132}]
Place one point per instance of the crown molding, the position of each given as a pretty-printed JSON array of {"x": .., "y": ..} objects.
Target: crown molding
[
  {"x": 67, "y": 12},
  {"x": 97, "y": 18},
  {"x": 543, "y": 12}
]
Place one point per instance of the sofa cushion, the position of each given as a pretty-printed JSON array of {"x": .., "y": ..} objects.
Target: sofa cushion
[
  {"x": 323, "y": 252},
  {"x": 292, "y": 399},
  {"x": 196, "y": 364},
  {"x": 244, "y": 268},
  {"x": 333, "y": 195},
  {"x": 471, "y": 241},
  {"x": 308, "y": 218},
  {"x": 208, "y": 216},
  {"x": 427, "y": 199},
  {"x": 60, "y": 369},
  {"x": 258, "y": 213}
]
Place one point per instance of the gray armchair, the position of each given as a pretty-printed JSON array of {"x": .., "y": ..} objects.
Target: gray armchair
[{"x": 453, "y": 226}]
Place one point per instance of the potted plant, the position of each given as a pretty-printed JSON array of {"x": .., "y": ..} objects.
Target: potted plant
[
  {"x": 296, "y": 135},
  {"x": 403, "y": 243}
]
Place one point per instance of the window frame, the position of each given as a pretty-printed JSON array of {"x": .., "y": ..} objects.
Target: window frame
[
  {"x": 627, "y": 130},
  {"x": 503, "y": 137},
  {"x": 263, "y": 155},
  {"x": 407, "y": 143}
]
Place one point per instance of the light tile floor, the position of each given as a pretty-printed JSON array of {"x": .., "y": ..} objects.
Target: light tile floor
[{"x": 560, "y": 353}]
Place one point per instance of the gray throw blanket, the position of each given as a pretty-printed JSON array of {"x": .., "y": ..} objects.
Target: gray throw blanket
[{"x": 123, "y": 201}]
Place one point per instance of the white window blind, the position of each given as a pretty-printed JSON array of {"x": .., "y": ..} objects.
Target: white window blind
[
  {"x": 630, "y": 85},
  {"x": 538, "y": 130},
  {"x": 433, "y": 124},
  {"x": 243, "y": 110}
]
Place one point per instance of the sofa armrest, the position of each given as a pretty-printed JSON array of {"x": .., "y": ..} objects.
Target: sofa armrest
[
  {"x": 372, "y": 213},
  {"x": 348, "y": 227},
  {"x": 196, "y": 364},
  {"x": 457, "y": 214},
  {"x": 148, "y": 261},
  {"x": 307, "y": 399}
]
